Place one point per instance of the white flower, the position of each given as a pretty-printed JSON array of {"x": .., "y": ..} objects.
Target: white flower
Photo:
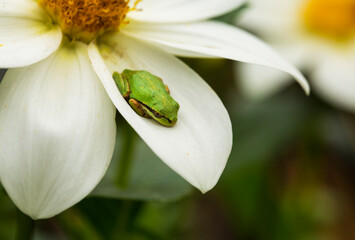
[
  {"x": 316, "y": 35},
  {"x": 58, "y": 99}
]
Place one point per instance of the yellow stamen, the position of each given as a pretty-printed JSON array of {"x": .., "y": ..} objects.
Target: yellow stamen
[
  {"x": 134, "y": 8},
  {"x": 331, "y": 18},
  {"x": 86, "y": 19}
]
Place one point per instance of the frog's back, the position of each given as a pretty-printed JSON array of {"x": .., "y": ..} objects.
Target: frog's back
[
  {"x": 150, "y": 90},
  {"x": 147, "y": 84}
]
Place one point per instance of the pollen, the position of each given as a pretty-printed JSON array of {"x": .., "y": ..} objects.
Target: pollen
[
  {"x": 84, "y": 20},
  {"x": 330, "y": 18}
]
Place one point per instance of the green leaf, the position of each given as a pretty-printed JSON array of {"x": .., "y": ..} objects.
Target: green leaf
[
  {"x": 149, "y": 178},
  {"x": 8, "y": 222}
]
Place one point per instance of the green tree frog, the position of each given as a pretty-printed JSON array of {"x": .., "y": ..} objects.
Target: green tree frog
[{"x": 147, "y": 95}]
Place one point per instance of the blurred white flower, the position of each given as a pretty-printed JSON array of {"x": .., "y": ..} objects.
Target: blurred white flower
[
  {"x": 58, "y": 98},
  {"x": 315, "y": 35}
]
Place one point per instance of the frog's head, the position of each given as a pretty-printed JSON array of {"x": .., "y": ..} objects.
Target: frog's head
[{"x": 166, "y": 115}]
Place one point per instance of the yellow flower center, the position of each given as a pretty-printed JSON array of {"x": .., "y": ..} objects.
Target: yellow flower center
[
  {"x": 84, "y": 20},
  {"x": 330, "y": 18}
]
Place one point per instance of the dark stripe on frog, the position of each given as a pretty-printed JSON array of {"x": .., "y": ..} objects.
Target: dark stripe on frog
[{"x": 154, "y": 112}]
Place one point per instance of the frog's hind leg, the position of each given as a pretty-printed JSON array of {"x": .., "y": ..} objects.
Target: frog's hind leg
[
  {"x": 138, "y": 108},
  {"x": 122, "y": 84}
]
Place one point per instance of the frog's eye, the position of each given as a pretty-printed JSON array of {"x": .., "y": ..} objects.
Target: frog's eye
[{"x": 157, "y": 115}]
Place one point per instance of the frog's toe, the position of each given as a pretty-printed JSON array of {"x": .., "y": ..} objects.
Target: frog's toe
[
  {"x": 167, "y": 89},
  {"x": 138, "y": 108}
]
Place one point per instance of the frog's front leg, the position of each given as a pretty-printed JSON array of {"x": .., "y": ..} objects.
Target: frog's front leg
[
  {"x": 138, "y": 108},
  {"x": 122, "y": 84}
]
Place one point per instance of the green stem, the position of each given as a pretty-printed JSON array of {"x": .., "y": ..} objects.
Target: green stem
[
  {"x": 126, "y": 218},
  {"x": 77, "y": 226},
  {"x": 25, "y": 227},
  {"x": 125, "y": 160}
]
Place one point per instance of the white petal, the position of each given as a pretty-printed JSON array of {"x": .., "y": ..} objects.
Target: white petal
[
  {"x": 334, "y": 80},
  {"x": 259, "y": 82},
  {"x": 198, "y": 146},
  {"x": 22, "y": 9},
  {"x": 272, "y": 18},
  {"x": 25, "y": 41},
  {"x": 173, "y": 11},
  {"x": 215, "y": 39},
  {"x": 57, "y": 132}
]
